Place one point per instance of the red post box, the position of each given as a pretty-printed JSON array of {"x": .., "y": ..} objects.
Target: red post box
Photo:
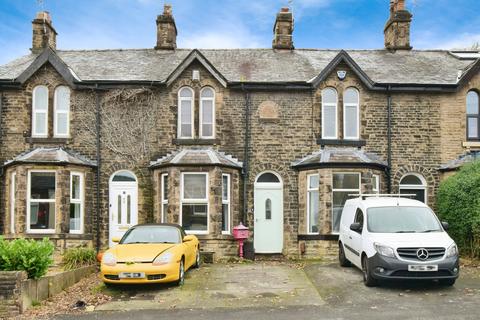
[{"x": 240, "y": 233}]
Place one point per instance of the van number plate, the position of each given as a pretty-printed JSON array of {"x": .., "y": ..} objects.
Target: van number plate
[
  {"x": 131, "y": 275},
  {"x": 424, "y": 268}
]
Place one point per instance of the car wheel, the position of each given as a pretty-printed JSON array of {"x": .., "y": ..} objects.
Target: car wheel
[
  {"x": 368, "y": 280},
  {"x": 181, "y": 274},
  {"x": 447, "y": 282},
  {"x": 197, "y": 259},
  {"x": 341, "y": 256}
]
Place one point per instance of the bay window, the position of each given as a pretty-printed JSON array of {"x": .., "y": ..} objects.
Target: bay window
[
  {"x": 164, "y": 192},
  {"x": 185, "y": 113},
  {"x": 344, "y": 184},
  {"x": 40, "y": 112},
  {"x": 13, "y": 182},
  {"x": 76, "y": 202},
  {"x": 207, "y": 113},
  {"x": 194, "y": 202},
  {"x": 41, "y": 202},
  {"x": 312, "y": 203},
  {"x": 376, "y": 184},
  {"x": 226, "y": 204}
]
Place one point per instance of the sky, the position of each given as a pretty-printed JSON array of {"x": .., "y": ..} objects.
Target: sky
[{"x": 335, "y": 24}]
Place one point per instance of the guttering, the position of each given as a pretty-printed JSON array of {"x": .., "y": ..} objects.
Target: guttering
[
  {"x": 1, "y": 112},
  {"x": 388, "y": 170},
  {"x": 246, "y": 168},
  {"x": 270, "y": 86},
  {"x": 340, "y": 165},
  {"x": 99, "y": 164}
]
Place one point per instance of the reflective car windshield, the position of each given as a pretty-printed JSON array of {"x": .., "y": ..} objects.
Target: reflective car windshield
[
  {"x": 402, "y": 220},
  {"x": 152, "y": 234}
]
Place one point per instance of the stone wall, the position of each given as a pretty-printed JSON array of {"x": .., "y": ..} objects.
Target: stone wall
[{"x": 11, "y": 303}]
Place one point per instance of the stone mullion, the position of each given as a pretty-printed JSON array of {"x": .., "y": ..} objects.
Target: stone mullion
[{"x": 62, "y": 206}]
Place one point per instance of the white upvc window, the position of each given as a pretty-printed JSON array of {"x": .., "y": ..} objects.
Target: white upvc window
[
  {"x": 40, "y": 112},
  {"x": 226, "y": 219},
  {"x": 351, "y": 114},
  {"x": 207, "y": 113},
  {"x": 376, "y": 183},
  {"x": 164, "y": 197},
  {"x": 312, "y": 204},
  {"x": 329, "y": 114},
  {"x": 76, "y": 202},
  {"x": 61, "y": 123},
  {"x": 343, "y": 185},
  {"x": 186, "y": 98},
  {"x": 41, "y": 209},
  {"x": 194, "y": 202},
  {"x": 13, "y": 182}
]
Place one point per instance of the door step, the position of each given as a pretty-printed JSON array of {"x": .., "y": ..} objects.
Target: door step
[{"x": 270, "y": 257}]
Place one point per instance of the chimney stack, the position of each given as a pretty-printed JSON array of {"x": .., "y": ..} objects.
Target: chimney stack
[
  {"x": 283, "y": 30},
  {"x": 166, "y": 30},
  {"x": 44, "y": 35},
  {"x": 397, "y": 29}
]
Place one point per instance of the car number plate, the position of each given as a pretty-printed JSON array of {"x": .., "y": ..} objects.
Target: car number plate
[
  {"x": 131, "y": 275},
  {"x": 423, "y": 268}
]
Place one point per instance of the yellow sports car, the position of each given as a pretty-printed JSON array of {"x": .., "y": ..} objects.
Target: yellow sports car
[{"x": 151, "y": 253}]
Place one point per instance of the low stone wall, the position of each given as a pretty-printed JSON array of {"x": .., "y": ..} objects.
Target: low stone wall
[
  {"x": 319, "y": 249},
  {"x": 17, "y": 292}
]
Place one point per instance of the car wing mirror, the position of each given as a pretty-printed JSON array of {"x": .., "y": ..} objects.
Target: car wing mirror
[
  {"x": 188, "y": 238},
  {"x": 445, "y": 225},
  {"x": 115, "y": 240},
  {"x": 357, "y": 227}
]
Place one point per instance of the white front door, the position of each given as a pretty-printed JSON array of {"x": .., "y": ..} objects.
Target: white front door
[
  {"x": 268, "y": 216},
  {"x": 123, "y": 209}
]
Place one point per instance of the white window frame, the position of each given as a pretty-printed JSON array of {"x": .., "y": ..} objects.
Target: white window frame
[
  {"x": 194, "y": 201},
  {"x": 179, "y": 113},
  {"x": 324, "y": 104},
  {"x": 309, "y": 191},
  {"x": 163, "y": 200},
  {"x": 202, "y": 99},
  {"x": 29, "y": 200},
  {"x": 423, "y": 186},
  {"x": 13, "y": 182},
  {"x": 353, "y": 191},
  {"x": 357, "y": 105},
  {"x": 227, "y": 202},
  {"x": 376, "y": 187},
  {"x": 56, "y": 112},
  {"x": 35, "y": 112},
  {"x": 80, "y": 201}
]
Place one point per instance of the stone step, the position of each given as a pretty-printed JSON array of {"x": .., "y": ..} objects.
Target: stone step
[{"x": 269, "y": 257}]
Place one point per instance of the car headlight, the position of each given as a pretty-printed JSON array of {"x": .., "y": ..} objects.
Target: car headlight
[
  {"x": 452, "y": 251},
  {"x": 384, "y": 250},
  {"x": 163, "y": 259},
  {"x": 109, "y": 259}
]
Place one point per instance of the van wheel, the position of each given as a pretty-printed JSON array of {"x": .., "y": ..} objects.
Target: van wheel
[
  {"x": 341, "y": 256},
  {"x": 368, "y": 280},
  {"x": 447, "y": 282}
]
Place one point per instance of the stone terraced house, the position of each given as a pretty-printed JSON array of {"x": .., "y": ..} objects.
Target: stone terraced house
[{"x": 95, "y": 141}]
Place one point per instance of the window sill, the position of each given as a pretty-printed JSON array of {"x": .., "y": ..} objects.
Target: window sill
[
  {"x": 189, "y": 142},
  {"x": 324, "y": 237},
  {"x": 471, "y": 144},
  {"x": 339, "y": 142},
  {"x": 47, "y": 140}
]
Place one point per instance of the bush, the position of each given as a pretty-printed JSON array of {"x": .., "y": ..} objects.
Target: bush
[
  {"x": 458, "y": 203},
  {"x": 31, "y": 256},
  {"x": 78, "y": 257}
]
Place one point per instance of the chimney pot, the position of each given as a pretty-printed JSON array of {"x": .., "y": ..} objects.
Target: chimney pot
[
  {"x": 285, "y": 9},
  {"x": 43, "y": 33},
  {"x": 166, "y": 30}
]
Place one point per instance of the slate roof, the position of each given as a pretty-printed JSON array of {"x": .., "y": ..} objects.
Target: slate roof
[
  {"x": 51, "y": 156},
  {"x": 460, "y": 161},
  {"x": 197, "y": 157},
  {"x": 434, "y": 67},
  {"x": 330, "y": 157}
]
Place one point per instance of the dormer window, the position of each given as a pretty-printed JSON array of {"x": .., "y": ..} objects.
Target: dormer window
[
  {"x": 185, "y": 113},
  {"x": 207, "y": 113},
  {"x": 351, "y": 114},
  {"x": 329, "y": 113},
  {"x": 40, "y": 112},
  {"x": 473, "y": 116},
  {"x": 61, "y": 126}
]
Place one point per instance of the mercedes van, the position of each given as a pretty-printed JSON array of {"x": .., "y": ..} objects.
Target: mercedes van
[{"x": 396, "y": 238}]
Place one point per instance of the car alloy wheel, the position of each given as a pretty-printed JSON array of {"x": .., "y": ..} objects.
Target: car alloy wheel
[
  {"x": 197, "y": 259},
  {"x": 181, "y": 274}
]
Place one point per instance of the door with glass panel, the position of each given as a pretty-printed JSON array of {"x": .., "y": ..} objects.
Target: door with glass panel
[{"x": 123, "y": 204}]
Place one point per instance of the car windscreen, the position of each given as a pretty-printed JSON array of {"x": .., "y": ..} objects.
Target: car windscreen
[
  {"x": 402, "y": 220},
  {"x": 152, "y": 234}
]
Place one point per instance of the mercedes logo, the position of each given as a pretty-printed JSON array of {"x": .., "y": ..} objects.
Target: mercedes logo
[{"x": 422, "y": 254}]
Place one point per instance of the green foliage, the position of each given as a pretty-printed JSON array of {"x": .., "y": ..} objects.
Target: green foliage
[
  {"x": 78, "y": 257},
  {"x": 458, "y": 203},
  {"x": 31, "y": 256}
]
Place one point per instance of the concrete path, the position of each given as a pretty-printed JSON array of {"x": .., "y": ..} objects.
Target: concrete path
[{"x": 219, "y": 285}]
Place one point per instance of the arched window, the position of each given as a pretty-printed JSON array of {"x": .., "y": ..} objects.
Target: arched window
[
  {"x": 207, "y": 113},
  {"x": 473, "y": 116},
  {"x": 268, "y": 177},
  {"x": 329, "y": 113},
  {"x": 61, "y": 126},
  {"x": 414, "y": 184},
  {"x": 185, "y": 113},
  {"x": 40, "y": 112},
  {"x": 351, "y": 114},
  {"x": 124, "y": 176}
]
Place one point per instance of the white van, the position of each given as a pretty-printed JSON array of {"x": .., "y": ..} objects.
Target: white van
[{"x": 396, "y": 238}]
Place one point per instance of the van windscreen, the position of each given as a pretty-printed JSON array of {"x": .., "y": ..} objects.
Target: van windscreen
[{"x": 402, "y": 220}]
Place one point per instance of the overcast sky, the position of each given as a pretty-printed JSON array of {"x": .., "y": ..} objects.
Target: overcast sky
[{"x": 345, "y": 24}]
